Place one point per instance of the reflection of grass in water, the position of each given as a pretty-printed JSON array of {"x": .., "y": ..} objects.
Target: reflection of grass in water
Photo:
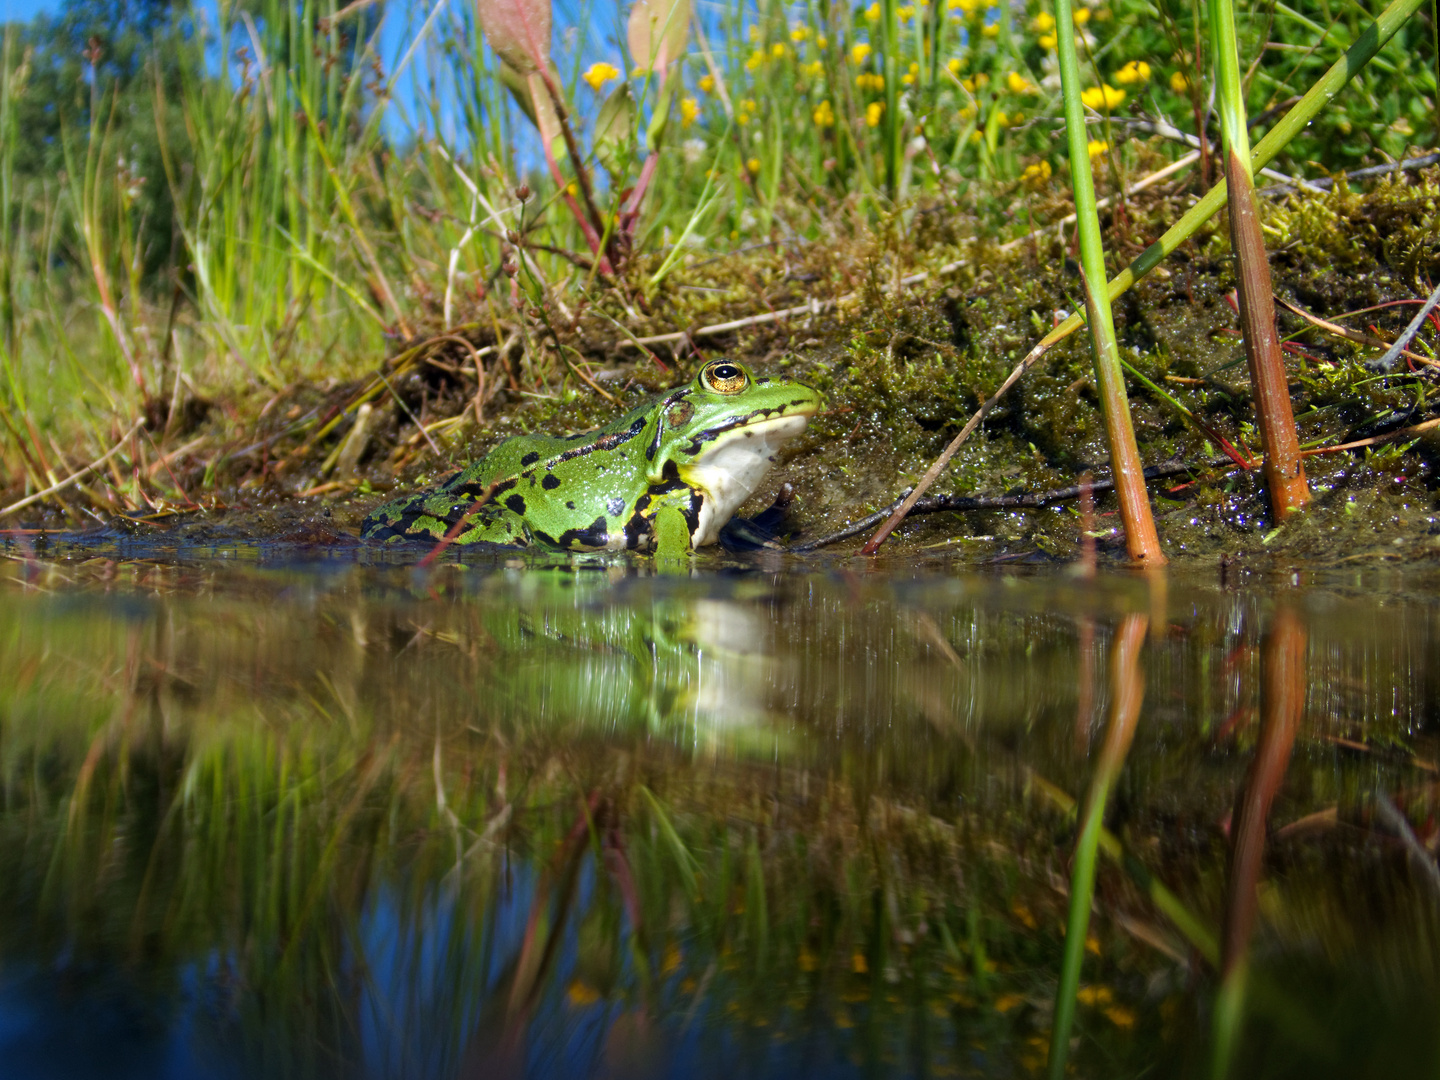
[
  {"x": 258, "y": 783},
  {"x": 264, "y": 844}
]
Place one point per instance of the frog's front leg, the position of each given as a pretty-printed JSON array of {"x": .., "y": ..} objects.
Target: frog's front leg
[{"x": 672, "y": 535}]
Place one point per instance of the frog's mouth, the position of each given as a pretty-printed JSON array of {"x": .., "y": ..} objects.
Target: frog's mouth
[{"x": 732, "y": 464}]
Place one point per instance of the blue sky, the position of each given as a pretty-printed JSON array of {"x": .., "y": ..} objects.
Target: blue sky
[{"x": 25, "y": 10}]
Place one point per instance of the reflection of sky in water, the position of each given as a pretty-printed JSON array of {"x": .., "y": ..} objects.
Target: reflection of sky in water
[{"x": 428, "y": 992}]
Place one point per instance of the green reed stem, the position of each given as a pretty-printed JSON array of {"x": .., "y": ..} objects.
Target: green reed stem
[{"x": 1141, "y": 539}]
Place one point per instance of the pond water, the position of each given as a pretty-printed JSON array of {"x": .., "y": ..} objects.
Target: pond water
[{"x": 266, "y": 815}]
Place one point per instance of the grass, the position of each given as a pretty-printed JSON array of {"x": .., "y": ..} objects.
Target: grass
[{"x": 321, "y": 226}]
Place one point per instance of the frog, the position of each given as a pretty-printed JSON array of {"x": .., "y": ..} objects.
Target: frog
[{"x": 664, "y": 478}]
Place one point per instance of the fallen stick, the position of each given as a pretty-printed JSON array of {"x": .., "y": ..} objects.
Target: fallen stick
[
  {"x": 938, "y": 503},
  {"x": 75, "y": 477}
]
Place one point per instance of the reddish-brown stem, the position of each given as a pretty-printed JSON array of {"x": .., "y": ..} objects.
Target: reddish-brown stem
[
  {"x": 1142, "y": 542},
  {"x": 595, "y": 222},
  {"x": 1284, "y": 470}
]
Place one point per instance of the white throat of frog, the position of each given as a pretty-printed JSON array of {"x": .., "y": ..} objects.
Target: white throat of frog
[{"x": 730, "y": 470}]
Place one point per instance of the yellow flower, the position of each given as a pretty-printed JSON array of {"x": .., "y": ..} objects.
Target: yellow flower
[
  {"x": 1096, "y": 147},
  {"x": 812, "y": 70},
  {"x": 754, "y": 166},
  {"x": 906, "y": 12},
  {"x": 1102, "y": 98},
  {"x": 822, "y": 43},
  {"x": 1018, "y": 83},
  {"x": 859, "y": 52},
  {"x": 581, "y": 995},
  {"x": 1043, "y": 22},
  {"x": 1001, "y": 120},
  {"x": 707, "y": 84},
  {"x": 799, "y": 34},
  {"x": 753, "y": 33},
  {"x": 1081, "y": 16},
  {"x": 967, "y": 112},
  {"x": 1017, "y": 119},
  {"x": 873, "y": 112},
  {"x": 824, "y": 115},
  {"x": 866, "y": 81},
  {"x": 1006, "y": 1002},
  {"x": 1037, "y": 174},
  {"x": 597, "y": 75},
  {"x": 991, "y": 30},
  {"x": 872, "y": 13},
  {"x": 1047, "y": 41},
  {"x": 689, "y": 110},
  {"x": 1133, "y": 72},
  {"x": 1179, "y": 82},
  {"x": 755, "y": 60},
  {"x": 778, "y": 50},
  {"x": 914, "y": 68},
  {"x": 1094, "y": 995},
  {"x": 978, "y": 82},
  {"x": 954, "y": 66},
  {"x": 1121, "y": 1017}
]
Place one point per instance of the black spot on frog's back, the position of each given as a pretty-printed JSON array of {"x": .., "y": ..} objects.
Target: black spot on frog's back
[
  {"x": 530, "y": 458},
  {"x": 516, "y": 503},
  {"x": 550, "y": 482},
  {"x": 615, "y": 506},
  {"x": 592, "y": 536}
]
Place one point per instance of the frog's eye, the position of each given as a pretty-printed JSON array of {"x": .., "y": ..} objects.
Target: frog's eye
[{"x": 725, "y": 378}]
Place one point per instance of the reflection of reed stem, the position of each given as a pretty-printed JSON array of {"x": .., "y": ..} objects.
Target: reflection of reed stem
[
  {"x": 1127, "y": 692},
  {"x": 1282, "y": 702}
]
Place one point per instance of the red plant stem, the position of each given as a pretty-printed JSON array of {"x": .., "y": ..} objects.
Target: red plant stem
[
  {"x": 1284, "y": 470},
  {"x": 1142, "y": 542}
]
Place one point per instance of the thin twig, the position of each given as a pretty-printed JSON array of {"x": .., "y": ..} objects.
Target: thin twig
[
  {"x": 939, "y": 503},
  {"x": 933, "y": 473},
  {"x": 75, "y": 477},
  {"x": 1392, "y": 356},
  {"x": 1393, "y": 819},
  {"x": 1375, "y": 440},
  {"x": 1326, "y": 183},
  {"x": 1349, "y": 335}
]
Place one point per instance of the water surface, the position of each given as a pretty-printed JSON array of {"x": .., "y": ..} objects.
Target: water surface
[{"x": 265, "y": 817}]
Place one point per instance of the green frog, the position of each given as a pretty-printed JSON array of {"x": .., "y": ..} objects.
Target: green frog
[{"x": 665, "y": 477}]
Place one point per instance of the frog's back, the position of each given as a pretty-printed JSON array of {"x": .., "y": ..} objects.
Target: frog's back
[{"x": 533, "y": 486}]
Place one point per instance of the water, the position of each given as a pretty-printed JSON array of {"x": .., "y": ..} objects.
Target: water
[{"x": 270, "y": 818}]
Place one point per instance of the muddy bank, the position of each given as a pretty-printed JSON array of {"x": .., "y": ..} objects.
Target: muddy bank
[{"x": 904, "y": 367}]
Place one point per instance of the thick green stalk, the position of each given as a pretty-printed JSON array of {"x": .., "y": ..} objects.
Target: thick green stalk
[
  {"x": 1127, "y": 687},
  {"x": 1141, "y": 539},
  {"x": 1284, "y": 470}
]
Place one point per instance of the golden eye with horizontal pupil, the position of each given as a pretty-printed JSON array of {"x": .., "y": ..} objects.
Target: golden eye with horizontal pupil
[{"x": 725, "y": 378}]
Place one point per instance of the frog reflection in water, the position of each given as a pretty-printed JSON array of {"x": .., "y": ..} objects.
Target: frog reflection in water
[{"x": 665, "y": 477}]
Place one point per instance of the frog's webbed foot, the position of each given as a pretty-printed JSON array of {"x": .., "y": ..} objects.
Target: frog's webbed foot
[{"x": 747, "y": 534}]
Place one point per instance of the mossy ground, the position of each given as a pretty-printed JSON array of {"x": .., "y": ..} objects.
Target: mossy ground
[{"x": 904, "y": 368}]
